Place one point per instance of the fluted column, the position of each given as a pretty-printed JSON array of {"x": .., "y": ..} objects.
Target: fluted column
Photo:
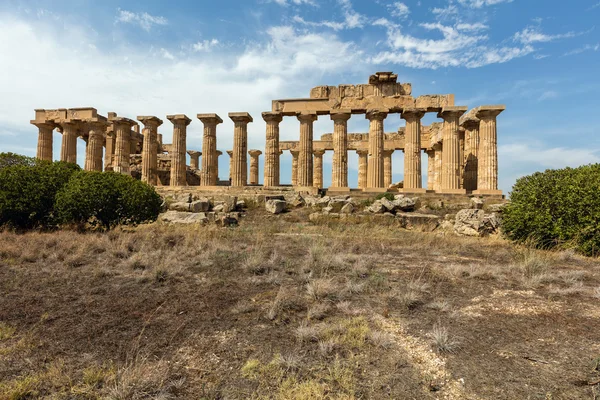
[
  {"x": 387, "y": 168},
  {"x": 44, "y": 144},
  {"x": 318, "y": 171},
  {"x": 230, "y": 154},
  {"x": 437, "y": 169},
  {"x": 451, "y": 149},
  {"x": 254, "y": 154},
  {"x": 430, "y": 169},
  {"x": 339, "y": 172},
  {"x": 68, "y": 150},
  {"x": 93, "y": 150},
  {"x": 363, "y": 156},
  {"x": 218, "y": 153},
  {"x": 240, "y": 148},
  {"x": 375, "y": 170},
  {"x": 122, "y": 128},
  {"x": 295, "y": 154},
  {"x": 305, "y": 149},
  {"x": 272, "y": 149},
  {"x": 109, "y": 156},
  {"x": 487, "y": 173},
  {"x": 150, "y": 148},
  {"x": 413, "y": 177},
  {"x": 178, "y": 149},
  {"x": 194, "y": 159},
  {"x": 209, "y": 149},
  {"x": 471, "y": 148}
]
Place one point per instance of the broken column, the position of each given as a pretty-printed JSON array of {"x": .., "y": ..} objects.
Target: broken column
[
  {"x": 254, "y": 154},
  {"x": 194, "y": 159},
  {"x": 375, "y": 161},
  {"x": 318, "y": 172},
  {"x": 412, "y": 149},
  {"x": 272, "y": 149},
  {"x": 209, "y": 149},
  {"x": 150, "y": 148},
  {"x": 230, "y": 154},
  {"x": 305, "y": 149},
  {"x": 295, "y": 154},
  {"x": 240, "y": 148},
  {"x": 339, "y": 173},
  {"x": 363, "y": 156},
  {"x": 451, "y": 149},
  {"x": 178, "y": 149},
  {"x": 387, "y": 167},
  {"x": 430, "y": 169},
  {"x": 487, "y": 172}
]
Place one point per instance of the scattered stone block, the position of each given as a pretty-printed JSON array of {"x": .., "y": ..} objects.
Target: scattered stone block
[
  {"x": 180, "y": 206},
  {"x": 183, "y": 217},
  {"x": 201, "y": 205},
  {"x": 376, "y": 208},
  {"x": 404, "y": 203},
  {"x": 348, "y": 208},
  {"x": 476, "y": 203},
  {"x": 275, "y": 206}
]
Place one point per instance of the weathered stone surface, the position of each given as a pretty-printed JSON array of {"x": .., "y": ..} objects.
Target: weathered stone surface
[
  {"x": 389, "y": 206},
  {"x": 296, "y": 201},
  {"x": 183, "y": 217},
  {"x": 275, "y": 206},
  {"x": 496, "y": 208},
  {"x": 421, "y": 222},
  {"x": 404, "y": 203},
  {"x": 336, "y": 204},
  {"x": 475, "y": 223},
  {"x": 184, "y": 198},
  {"x": 348, "y": 208},
  {"x": 200, "y": 205},
  {"x": 219, "y": 208},
  {"x": 476, "y": 203},
  {"x": 180, "y": 206},
  {"x": 240, "y": 204},
  {"x": 376, "y": 207},
  {"x": 230, "y": 204},
  {"x": 327, "y": 210}
]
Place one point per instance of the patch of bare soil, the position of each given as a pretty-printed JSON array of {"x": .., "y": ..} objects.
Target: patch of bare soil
[{"x": 278, "y": 308}]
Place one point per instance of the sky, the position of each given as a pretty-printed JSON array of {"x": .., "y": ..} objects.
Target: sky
[{"x": 538, "y": 57}]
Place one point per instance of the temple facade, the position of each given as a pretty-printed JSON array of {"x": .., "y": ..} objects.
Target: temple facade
[{"x": 461, "y": 149}]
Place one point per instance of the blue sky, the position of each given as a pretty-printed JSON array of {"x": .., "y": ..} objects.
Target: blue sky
[{"x": 540, "y": 58}]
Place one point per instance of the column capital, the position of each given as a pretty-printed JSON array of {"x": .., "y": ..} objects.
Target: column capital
[
  {"x": 340, "y": 115},
  {"x": 294, "y": 152},
  {"x": 219, "y": 153},
  {"x": 254, "y": 153},
  {"x": 121, "y": 121},
  {"x": 376, "y": 114},
  {"x": 269, "y": 116},
  {"x": 43, "y": 124},
  {"x": 150, "y": 121},
  {"x": 362, "y": 152},
  {"x": 179, "y": 118},
  {"x": 452, "y": 111},
  {"x": 230, "y": 153},
  {"x": 307, "y": 116},
  {"x": 194, "y": 153},
  {"x": 470, "y": 123},
  {"x": 488, "y": 112},
  {"x": 388, "y": 153},
  {"x": 240, "y": 117},
  {"x": 411, "y": 114},
  {"x": 319, "y": 152},
  {"x": 209, "y": 119}
]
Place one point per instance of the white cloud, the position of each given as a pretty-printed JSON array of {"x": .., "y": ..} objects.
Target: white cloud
[
  {"x": 533, "y": 34},
  {"x": 399, "y": 9},
  {"x": 205, "y": 45},
  {"x": 547, "y": 95},
  {"x": 594, "y": 6},
  {"x": 481, "y": 3},
  {"x": 579, "y": 50},
  {"x": 445, "y": 12},
  {"x": 336, "y": 26},
  {"x": 474, "y": 27},
  {"x": 167, "y": 54},
  {"x": 352, "y": 19},
  {"x": 557, "y": 157},
  {"x": 296, "y": 2},
  {"x": 143, "y": 19}
]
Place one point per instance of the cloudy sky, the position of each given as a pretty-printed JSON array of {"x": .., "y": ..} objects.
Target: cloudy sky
[{"x": 539, "y": 57}]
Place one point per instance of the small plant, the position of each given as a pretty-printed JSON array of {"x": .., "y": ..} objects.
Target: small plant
[
  {"x": 6, "y": 331},
  {"x": 305, "y": 333},
  {"x": 442, "y": 340},
  {"x": 161, "y": 276},
  {"x": 380, "y": 339},
  {"x": 387, "y": 196}
]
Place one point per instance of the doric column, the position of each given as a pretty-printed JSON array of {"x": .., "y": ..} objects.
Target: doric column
[
  {"x": 122, "y": 128},
  {"x": 218, "y": 154},
  {"x": 295, "y": 154},
  {"x": 430, "y": 169},
  {"x": 159, "y": 138},
  {"x": 68, "y": 150},
  {"x": 451, "y": 149},
  {"x": 471, "y": 147},
  {"x": 178, "y": 149},
  {"x": 318, "y": 172},
  {"x": 437, "y": 169},
  {"x": 487, "y": 173},
  {"x": 240, "y": 148},
  {"x": 194, "y": 159},
  {"x": 109, "y": 156},
  {"x": 339, "y": 173},
  {"x": 272, "y": 149},
  {"x": 461, "y": 156},
  {"x": 44, "y": 144},
  {"x": 254, "y": 154},
  {"x": 150, "y": 148},
  {"x": 230, "y": 154},
  {"x": 209, "y": 149},
  {"x": 387, "y": 168},
  {"x": 375, "y": 169},
  {"x": 305, "y": 149},
  {"x": 93, "y": 150},
  {"x": 363, "y": 156},
  {"x": 412, "y": 149}
]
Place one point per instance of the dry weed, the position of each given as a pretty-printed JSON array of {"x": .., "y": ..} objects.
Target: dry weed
[{"x": 442, "y": 340}]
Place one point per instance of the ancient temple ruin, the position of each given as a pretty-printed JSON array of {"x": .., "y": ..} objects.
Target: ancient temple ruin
[{"x": 461, "y": 149}]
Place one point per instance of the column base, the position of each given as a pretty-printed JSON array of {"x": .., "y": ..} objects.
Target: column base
[
  {"x": 375, "y": 190},
  {"x": 307, "y": 189},
  {"x": 453, "y": 191},
  {"x": 488, "y": 192},
  {"x": 338, "y": 189},
  {"x": 413, "y": 190}
]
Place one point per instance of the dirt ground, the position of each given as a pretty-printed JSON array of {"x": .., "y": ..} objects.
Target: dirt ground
[{"x": 279, "y": 308}]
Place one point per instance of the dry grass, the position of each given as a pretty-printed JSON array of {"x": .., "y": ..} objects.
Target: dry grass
[{"x": 286, "y": 310}]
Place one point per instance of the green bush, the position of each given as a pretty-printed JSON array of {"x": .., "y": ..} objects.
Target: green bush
[
  {"x": 27, "y": 192},
  {"x": 10, "y": 159},
  {"x": 556, "y": 208},
  {"x": 106, "y": 199},
  {"x": 387, "y": 195}
]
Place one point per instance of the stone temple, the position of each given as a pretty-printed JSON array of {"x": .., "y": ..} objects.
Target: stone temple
[{"x": 461, "y": 148}]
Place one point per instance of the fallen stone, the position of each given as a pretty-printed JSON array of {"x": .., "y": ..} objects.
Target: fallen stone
[
  {"x": 295, "y": 201},
  {"x": 200, "y": 205},
  {"x": 348, "y": 208},
  {"x": 336, "y": 204},
  {"x": 389, "y": 206},
  {"x": 476, "y": 223},
  {"x": 183, "y": 217},
  {"x": 376, "y": 208},
  {"x": 404, "y": 204},
  {"x": 327, "y": 210},
  {"x": 240, "y": 204},
  {"x": 180, "y": 206},
  {"x": 230, "y": 204},
  {"x": 476, "y": 203},
  {"x": 275, "y": 206},
  {"x": 183, "y": 198},
  {"x": 496, "y": 208},
  {"x": 421, "y": 222},
  {"x": 219, "y": 208}
]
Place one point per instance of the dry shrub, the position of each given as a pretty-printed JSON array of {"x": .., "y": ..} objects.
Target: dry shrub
[
  {"x": 142, "y": 378},
  {"x": 318, "y": 311},
  {"x": 380, "y": 339},
  {"x": 442, "y": 340},
  {"x": 307, "y": 333},
  {"x": 287, "y": 299},
  {"x": 322, "y": 288}
]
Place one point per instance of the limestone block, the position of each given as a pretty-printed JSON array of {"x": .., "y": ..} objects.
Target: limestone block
[
  {"x": 275, "y": 206},
  {"x": 404, "y": 203},
  {"x": 496, "y": 208},
  {"x": 471, "y": 222},
  {"x": 348, "y": 208},
  {"x": 389, "y": 206},
  {"x": 376, "y": 207},
  {"x": 219, "y": 208},
  {"x": 296, "y": 201},
  {"x": 477, "y": 203},
  {"x": 180, "y": 206},
  {"x": 327, "y": 210},
  {"x": 182, "y": 217},
  {"x": 336, "y": 204},
  {"x": 241, "y": 204},
  {"x": 201, "y": 205},
  {"x": 421, "y": 222}
]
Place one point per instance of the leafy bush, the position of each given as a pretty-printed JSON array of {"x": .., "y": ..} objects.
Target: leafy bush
[
  {"x": 28, "y": 189},
  {"x": 387, "y": 195},
  {"x": 10, "y": 159},
  {"x": 106, "y": 199},
  {"x": 556, "y": 208}
]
